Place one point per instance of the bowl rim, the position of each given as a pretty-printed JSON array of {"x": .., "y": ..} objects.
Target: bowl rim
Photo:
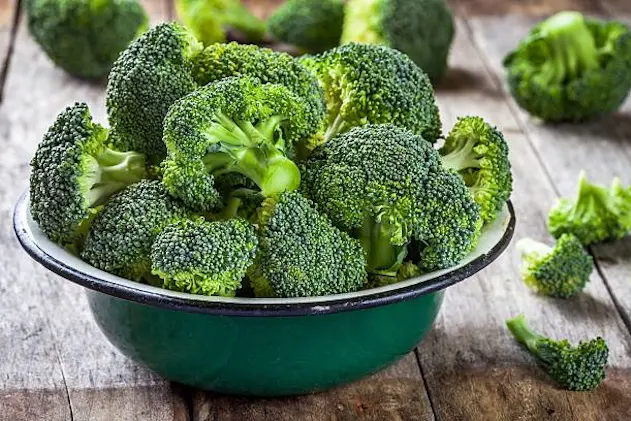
[{"x": 115, "y": 286}]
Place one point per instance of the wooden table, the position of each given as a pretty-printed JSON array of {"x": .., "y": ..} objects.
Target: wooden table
[{"x": 55, "y": 365}]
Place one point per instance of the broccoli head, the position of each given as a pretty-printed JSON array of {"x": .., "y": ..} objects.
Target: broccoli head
[
  {"x": 201, "y": 257},
  {"x": 571, "y": 68},
  {"x": 311, "y": 25},
  {"x": 387, "y": 187},
  {"x": 372, "y": 84},
  {"x": 84, "y": 37},
  {"x": 121, "y": 235},
  {"x": 422, "y": 29},
  {"x": 73, "y": 172},
  {"x": 479, "y": 153},
  {"x": 577, "y": 368},
  {"x": 301, "y": 254},
  {"x": 595, "y": 215},
  {"x": 560, "y": 271}
]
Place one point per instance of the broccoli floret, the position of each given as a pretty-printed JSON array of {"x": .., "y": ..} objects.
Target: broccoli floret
[
  {"x": 121, "y": 235},
  {"x": 235, "y": 125},
  {"x": 571, "y": 68},
  {"x": 84, "y": 37},
  {"x": 209, "y": 20},
  {"x": 301, "y": 254},
  {"x": 148, "y": 77},
  {"x": 422, "y": 29},
  {"x": 575, "y": 368},
  {"x": 372, "y": 84},
  {"x": 201, "y": 257},
  {"x": 596, "y": 214},
  {"x": 479, "y": 152},
  {"x": 387, "y": 187},
  {"x": 73, "y": 172},
  {"x": 312, "y": 25},
  {"x": 560, "y": 271}
]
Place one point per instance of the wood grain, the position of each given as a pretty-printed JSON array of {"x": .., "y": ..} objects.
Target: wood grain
[{"x": 8, "y": 14}]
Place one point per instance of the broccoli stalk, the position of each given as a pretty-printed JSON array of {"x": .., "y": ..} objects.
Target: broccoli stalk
[
  {"x": 384, "y": 244},
  {"x": 575, "y": 368}
]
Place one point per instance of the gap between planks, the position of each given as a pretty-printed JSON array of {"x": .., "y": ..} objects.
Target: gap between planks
[{"x": 13, "y": 13}]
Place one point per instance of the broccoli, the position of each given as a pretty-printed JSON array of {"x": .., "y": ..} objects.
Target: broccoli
[
  {"x": 597, "y": 213},
  {"x": 479, "y": 153},
  {"x": 371, "y": 84},
  {"x": 73, "y": 172},
  {"x": 571, "y": 68},
  {"x": 387, "y": 187},
  {"x": 121, "y": 235},
  {"x": 422, "y": 29},
  {"x": 311, "y": 25},
  {"x": 301, "y": 254},
  {"x": 577, "y": 368},
  {"x": 201, "y": 257},
  {"x": 84, "y": 37},
  {"x": 149, "y": 76},
  {"x": 235, "y": 125},
  {"x": 209, "y": 20},
  {"x": 560, "y": 271}
]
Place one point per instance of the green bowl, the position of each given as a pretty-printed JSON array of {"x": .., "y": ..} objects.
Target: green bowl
[{"x": 262, "y": 347}]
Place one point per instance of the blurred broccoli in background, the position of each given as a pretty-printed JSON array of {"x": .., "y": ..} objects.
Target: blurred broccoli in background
[
  {"x": 84, "y": 37},
  {"x": 571, "y": 68}
]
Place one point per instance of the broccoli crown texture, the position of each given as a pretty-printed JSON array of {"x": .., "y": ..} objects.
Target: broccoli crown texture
[
  {"x": 422, "y": 29},
  {"x": 560, "y": 271},
  {"x": 312, "y": 25},
  {"x": 201, "y": 257},
  {"x": 373, "y": 84},
  {"x": 479, "y": 153},
  {"x": 209, "y": 20},
  {"x": 596, "y": 214},
  {"x": 121, "y": 236},
  {"x": 571, "y": 68},
  {"x": 73, "y": 172},
  {"x": 387, "y": 186},
  {"x": 235, "y": 125},
  {"x": 149, "y": 76},
  {"x": 576, "y": 368},
  {"x": 84, "y": 37},
  {"x": 301, "y": 254}
]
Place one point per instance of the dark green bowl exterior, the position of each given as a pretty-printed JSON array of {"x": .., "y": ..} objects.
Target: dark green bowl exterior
[{"x": 264, "y": 356}]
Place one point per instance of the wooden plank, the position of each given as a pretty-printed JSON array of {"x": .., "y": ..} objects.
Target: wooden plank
[
  {"x": 8, "y": 13},
  {"x": 56, "y": 364},
  {"x": 473, "y": 368},
  {"x": 522, "y": 7}
]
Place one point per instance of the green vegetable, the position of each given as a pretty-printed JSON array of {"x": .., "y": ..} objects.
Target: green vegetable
[
  {"x": 73, "y": 172},
  {"x": 571, "y": 68},
  {"x": 200, "y": 257},
  {"x": 422, "y": 29},
  {"x": 560, "y": 271},
  {"x": 84, "y": 37},
  {"x": 301, "y": 254},
  {"x": 577, "y": 368}
]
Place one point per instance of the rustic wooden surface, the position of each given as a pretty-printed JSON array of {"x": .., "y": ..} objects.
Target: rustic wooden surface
[{"x": 55, "y": 365}]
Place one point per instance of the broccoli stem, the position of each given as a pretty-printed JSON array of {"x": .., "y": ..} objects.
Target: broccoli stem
[
  {"x": 382, "y": 256},
  {"x": 464, "y": 157},
  {"x": 523, "y": 334},
  {"x": 591, "y": 199},
  {"x": 334, "y": 128},
  {"x": 110, "y": 172}
]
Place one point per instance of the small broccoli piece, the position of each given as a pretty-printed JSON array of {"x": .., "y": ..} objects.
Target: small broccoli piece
[
  {"x": 311, "y": 25},
  {"x": 595, "y": 215},
  {"x": 73, "y": 172},
  {"x": 560, "y": 271},
  {"x": 577, "y": 368},
  {"x": 209, "y": 20},
  {"x": 84, "y": 37},
  {"x": 422, "y": 29},
  {"x": 371, "y": 84},
  {"x": 479, "y": 153},
  {"x": 571, "y": 68},
  {"x": 387, "y": 187},
  {"x": 201, "y": 257},
  {"x": 148, "y": 77},
  {"x": 301, "y": 254},
  {"x": 121, "y": 236},
  {"x": 236, "y": 125}
]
